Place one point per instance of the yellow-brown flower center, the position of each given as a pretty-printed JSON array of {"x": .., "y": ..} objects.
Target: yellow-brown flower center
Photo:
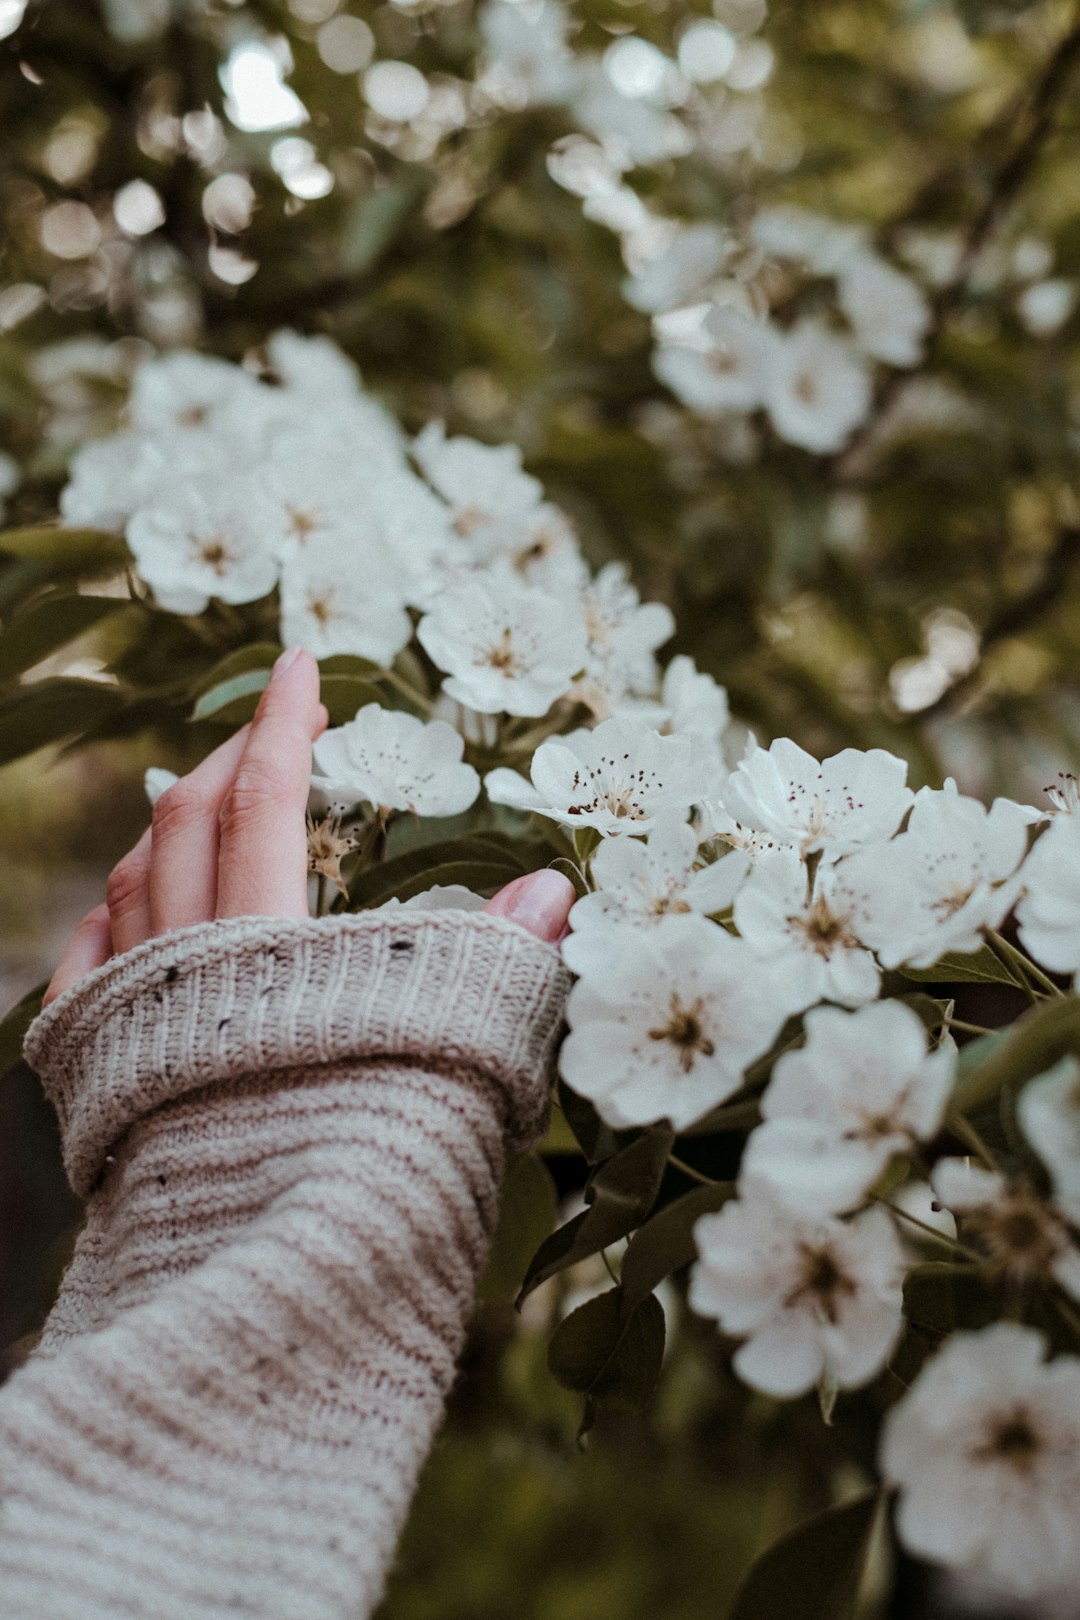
[{"x": 685, "y": 1031}]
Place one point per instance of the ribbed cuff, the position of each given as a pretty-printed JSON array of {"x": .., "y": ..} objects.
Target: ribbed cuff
[{"x": 464, "y": 994}]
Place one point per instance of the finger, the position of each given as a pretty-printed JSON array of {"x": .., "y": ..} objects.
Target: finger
[
  {"x": 262, "y": 852},
  {"x": 539, "y": 902},
  {"x": 89, "y": 947},
  {"x": 184, "y": 847},
  {"x": 128, "y": 896}
]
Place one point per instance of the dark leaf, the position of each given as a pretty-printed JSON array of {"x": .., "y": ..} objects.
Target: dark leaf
[
  {"x": 526, "y": 1215},
  {"x": 259, "y": 655},
  {"x": 666, "y": 1242},
  {"x": 389, "y": 878},
  {"x": 49, "y": 623},
  {"x": 72, "y": 550},
  {"x": 607, "y": 1355},
  {"x": 620, "y": 1195},
  {"x": 1031, "y": 1046},
  {"x": 814, "y": 1572},
  {"x": 350, "y": 664},
  {"x": 232, "y": 702},
  {"x": 15, "y": 1024},
  {"x": 51, "y": 710},
  {"x": 980, "y": 967},
  {"x": 597, "y": 1140},
  {"x": 345, "y": 695}
]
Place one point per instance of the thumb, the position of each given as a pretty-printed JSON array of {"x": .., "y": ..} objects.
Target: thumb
[{"x": 540, "y": 902}]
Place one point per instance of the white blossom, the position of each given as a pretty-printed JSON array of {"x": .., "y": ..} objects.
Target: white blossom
[
  {"x": 1048, "y": 915},
  {"x": 336, "y": 599},
  {"x": 485, "y": 485},
  {"x": 726, "y": 371},
  {"x": 1025, "y": 1237},
  {"x": 616, "y": 779},
  {"x": 678, "y": 274},
  {"x": 184, "y": 390},
  {"x": 395, "y": 761},
  {"x": 838, "y": 805},
  {"x": 863, "y": 1090},
  {"x": 814, "y": 1297},
  {"x": 203, "y": 538},
  {"x": 506, "y": 648},
  {"x": 527, "y": 55},
  {"x": 111, "y": 478},
  {"x": 985, "y": 1452},
  {"x": 943, "y": 880},
  {"x": 639, "y": 883},
  {"x": 633, "y": 131},
  {"x": 1049, "y": 1113},
  {"x": 313, "y": 366},
  {"x": 887, "y": 309},
  {"x": 665, "y": 1020},
  {"x": 155, "y": 781},
  {"x": 623, "y": 634},
  {"x": 817, "y": 388},
  {"x": 822, "y": 245},
  {"x": 812, "y": 935}
]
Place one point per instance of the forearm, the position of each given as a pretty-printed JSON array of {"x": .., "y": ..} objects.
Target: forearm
[{"x": 251, "y": 1352}]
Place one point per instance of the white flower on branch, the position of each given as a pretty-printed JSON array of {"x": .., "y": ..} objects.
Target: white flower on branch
[
  {"x": 985, "y": 1451},
  {"x": 947, "y": 877},
  {"x": 812, "y": 933},
  {"x": 184, "y": 390},
  {"x": 110, "y": 479},
  {"x": 485, "y": 485},
  {"x": 506, "y": 648},
  {"x": 814, "y": 1297},
  {"x": 204, "y": 538},
  {"x": 616, "y": 779},
  {"x": 639, "y": 883},
  {"x": 665, "y": 1020},
  {"x": 690, "y": 258},
  {"x": 836, "y": 805},
  {"x": 338, "y": 598},
  {"x": 863, "y": 1090},
  {"x": 817, "y": 388},
  {"x": 725, "y": 371},
  {"x": 623, "y": 635},
  {"x": 1025, "y": 1238},
  {"x": 1048, "y": 915},
  {"x": 394, "y": 761},
  {"x": 1049, "y": 1113},
  {"x": 313, "y": 366},
  {"x": 528, "y": 59},
  {"x": 887, "y": 309}
]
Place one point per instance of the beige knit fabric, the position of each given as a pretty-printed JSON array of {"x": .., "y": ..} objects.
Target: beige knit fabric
[{"x": 291, "y": 1136}]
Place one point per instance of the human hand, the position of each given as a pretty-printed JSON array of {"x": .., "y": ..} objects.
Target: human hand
[{"x": 230, "y": 840}]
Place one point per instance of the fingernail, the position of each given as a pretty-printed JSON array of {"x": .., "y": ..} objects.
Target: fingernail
[
  {"x": 542, "y": 904},
  {"x": 285, "y": 661}
]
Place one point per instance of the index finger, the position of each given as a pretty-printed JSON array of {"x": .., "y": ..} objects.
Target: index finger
[{"x": 262, "y": 853}]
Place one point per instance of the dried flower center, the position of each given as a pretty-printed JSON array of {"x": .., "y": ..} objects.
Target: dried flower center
[
  {"x": 502, "y": 656},
  {"x": 685, "y": 1031},
  {"x": 954, "y": 901},
  {"x": 320, "y": 605},
  {"x": 467, "y": 519},
  {"x": 824, "y": 1281},
  {"x": 1020, "y": 1236},
  {"x": 327, "y": 845},
  {"x": 1064, "y": 794},
  {"x": 1014, "y": 1440},
  {"x": 722, "y": 362},
  {"x": 805, "y": 388},
  {"x": 825, "y": 931},
  {"x": 214, "y": 553},
  {"x": 302, "y": 524},
  {"x": 194, "y": 416}
]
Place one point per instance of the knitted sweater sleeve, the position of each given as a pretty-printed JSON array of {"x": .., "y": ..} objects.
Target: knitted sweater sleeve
[{"x": 290, "y": 1136}]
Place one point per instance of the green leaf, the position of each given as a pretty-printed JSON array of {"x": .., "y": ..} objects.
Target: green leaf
[
  {"x": 666, "y": 1242},
  {"x": 814, "y": 1572},
  {"x": 350, "y": 664},
  {"x": 1032, "y": 1045},
  {"x": 69, "y": 549},
  {"x": 374, "y": 222},
  {"x": 345, "y": 695},
  {"x": 49, "y": 623},
  {"x": 232, "y": 702},
  {"x": 980, "y": 967},
  {"x": 481, "y": 876},
  {"x": 392, "y": 877},
  {"x": 53, "y": 709},
  {"x": 596, "y": 1140},
  {"x": 527, "y": 1208},
  {"x": 607, "y": 1355},
  {"x": 941, "y": 1296},
  {"x": 259, "y": 655},
  {"x": 15, "y": 1024},
  {"x": 620, "y": 1195}
]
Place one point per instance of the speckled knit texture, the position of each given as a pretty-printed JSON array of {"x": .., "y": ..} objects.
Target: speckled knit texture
[{"x": 291, "y": 1136}]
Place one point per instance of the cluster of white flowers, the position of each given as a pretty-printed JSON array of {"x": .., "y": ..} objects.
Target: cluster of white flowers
[{"x": 735, "y": 916}]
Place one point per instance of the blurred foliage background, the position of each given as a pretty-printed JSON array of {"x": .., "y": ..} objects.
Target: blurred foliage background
[{"x": 182, "y": 173}]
